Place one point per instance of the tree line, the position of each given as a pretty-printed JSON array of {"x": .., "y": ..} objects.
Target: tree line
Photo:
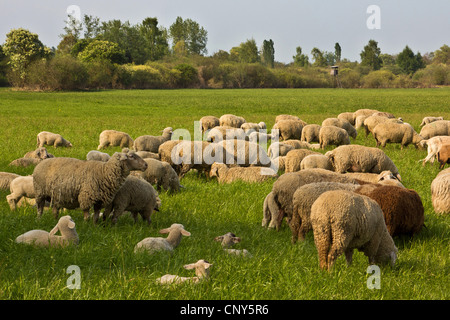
[{"x": 94, "y": 54}]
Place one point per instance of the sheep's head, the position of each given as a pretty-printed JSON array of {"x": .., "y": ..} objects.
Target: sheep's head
[
  {"x": 176, "y": 227},
  {"x": 42, "y": 153},
  {"x": 201, "y": 268},
  {"x": 215, "y": 168},
  {"x": 132, "y": 160},
  {"x": 65, "y": 223},
  {"x": 228, "y": 239}
]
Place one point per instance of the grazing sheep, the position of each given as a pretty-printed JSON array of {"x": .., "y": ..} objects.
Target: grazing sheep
[
  {"x": 113, "y": 138},
  {"x": 261, "y": 137},
  {"x": 433, "y": 145},
  {"x": 386, "y": 178},
  {"x": 228, "y": 240},
  {"x": 384, "y": 114},
  {"x": 143, "y": 154},
  {"x": 51, "y": 139},
  {"x": 343, "y": 221},
  {"x": 165, "y": 153},
  {"x": 41, "y": 238},
  {"x": 39, "y": 153},
  {"x": 152, "y": 143},
  {"x": 97, "y": 156},
  {"x": 161, "y": 174},
  {"x": 371, "y": 122},
  {"x": 270, "y": 211},
  {"x": 209, "y": 122},
  {"x": 152, "y": 244},
  {"x": 363, "y": 112},
  {"x": 389, "y": 132},
  {"x": 294, "y": 158},
  {"x": 287, "y": 117},
  {"x": 231, "y": 120},
  {"x": 358, "y": 158},
  {"x": 298, "y": 144},
  {"x": 6, "y": 178},
  {"x": 279, "y": 163},
  {"x": 344, "y": 124},
  {"x": 243, "y": 153},
  {"x": 428, "y": 120},
  {"x": 136, "y": 196},
  {"x": 283, "y": 149},
  {"x": 221, "y": 133},
  {"x": 303, "y": 199},
  {"x": 289, "y": 129},
  {"x": 402, "y": 208},
  {"x": 332, "y": 135},
  {"x": 20, "y": 187},
  {"x": 250, "y": 127},
  {"x": 72, "y": 183},
  {"x": 25, "y": 162},
  {"x": 443, "y": 155},
  {"x": 436, "y": 128},
  {"x": 225, "y": 174},
  {"x": 347, "y": 116},
  {"x": 440, "y": 192},
  {"x": 316, "y": 161},
  {"x": 310, "y": 133},
  {"x": 201, "y": 271}
]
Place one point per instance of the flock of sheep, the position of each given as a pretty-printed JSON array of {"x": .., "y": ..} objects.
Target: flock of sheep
[{"x": 350, "y": 197}]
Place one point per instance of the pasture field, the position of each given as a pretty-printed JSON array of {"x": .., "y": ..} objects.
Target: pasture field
[{"x": 278, "y": 270}]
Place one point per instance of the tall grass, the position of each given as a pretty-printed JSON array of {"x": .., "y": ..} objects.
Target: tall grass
[{"x": 277, "y": 270}]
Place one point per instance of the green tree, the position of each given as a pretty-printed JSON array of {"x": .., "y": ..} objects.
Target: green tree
[
  {"x": 370, "y": 56},
  {"x": 442, "y": 55},
  {"x": 268, "y": 53},
  {"x": 300, "y": 59},
  {"x": 155, "y": 39},
  {"x": 337, "y": 51},
  {"x": 73, "y": 27},
  {"x": 319, "y": 59},
  {"x": 91, "y": 26},
  {"x": 409, "y": 62},
  {"x": 194, "y": 36},
  {"x": 102, "y": 50},
  {"x": 247, "y": 52}
]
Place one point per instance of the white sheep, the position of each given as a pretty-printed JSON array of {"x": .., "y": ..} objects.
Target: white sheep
[
  {"x": 433, "y": 145},
  {"x": 6, "y": 178},
  {"x": 231, "y": 120},
  {"x": 39, "y": 153},
  {"x": 310, "y": 133},
  {"x": 344, "y": 124},
  {"x": 20, "y": 187},
  {"x": 289, "y": 129},
  {"x": 201, "y": 271},
  {"x": 65, "y": 225},
  {"x": 52, "y": 139},
  {"x": 152, "y": 244},
  {"x": 255, "y": 174},
  {"x": 316, "y": 161},
  {"x": 250, "y": 127},
  {"x": 112, "y": 138},
  {"x": 270, "y": 212},
  {"x": 435, "y": 128},
  {"x": 221, "y": 133},
  {"x": 440, "y": 192},
  {"x": 228, "y": 240},
  {"x": 332, "y": 135},
  {"x": 209, "y": 122},
  {"x": 152, "y": 143},
  {"x": 427, "y": 120},
  {"x": 389, "y": 132},
  {"x": 97, "y": 156},
  {"x": 385, "y": 177},
  {"x": 294, "y": 159}
]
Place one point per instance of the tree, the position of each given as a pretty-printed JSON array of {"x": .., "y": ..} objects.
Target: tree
[
  {"x": 73, "y": 27},
  {"x": 300, "y": 59},
  {"x": 409, "y": 62},
  {"x": 337, "y": 52},
  {"x": 319, "y": 59},
  {"x": 247, "y": 52},
  {"x": 442, "y": 55},
  {"x": 194, "y": 36},
  {"x": 268, "y": 53},
  {"x": 102, "y": 50},
  {"x": 91, "y": 26},
  {"x": 155, "y": 39},
  {"x": 370, "y": 56}
]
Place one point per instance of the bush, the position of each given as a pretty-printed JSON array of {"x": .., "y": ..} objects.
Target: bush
[
  {"x": 100, "y": 74},
  {"x": 433, "y": 75},
  {"x": 378, "y": 79},
  {"x": 349, "y": 78},
  {"x": 145, "y": 77},
  {"x": 188, "y": 76}
]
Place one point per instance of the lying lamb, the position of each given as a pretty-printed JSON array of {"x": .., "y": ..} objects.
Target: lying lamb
[
  {"x": 225, "y": 174},
  {"x": 152, "y": 245},
  {"x": 228, "y": 240},
  {"x": 201, "y": 271}
]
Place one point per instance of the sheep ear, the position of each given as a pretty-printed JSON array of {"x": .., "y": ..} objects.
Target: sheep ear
[
  {"x": 54, "y": 230},
  {"x": 219, "y": 238},
  {"x": 71, "y": 224},
  {"x": 189, "y": 266},
  {"x": 236, "y": 239},
  {"x": 185, "y": 233},
  {"x": 166, "y": 230}
]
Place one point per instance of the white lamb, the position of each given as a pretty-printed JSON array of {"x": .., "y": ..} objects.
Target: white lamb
[
  {"x": 151, "y": 244},
  {"x": 201, "y": 271}
]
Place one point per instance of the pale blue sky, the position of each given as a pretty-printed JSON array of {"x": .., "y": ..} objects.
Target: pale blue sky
[{"x": 422, "y": 25}]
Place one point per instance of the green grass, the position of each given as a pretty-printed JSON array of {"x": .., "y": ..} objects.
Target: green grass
[{"x": 278, "y": 269}]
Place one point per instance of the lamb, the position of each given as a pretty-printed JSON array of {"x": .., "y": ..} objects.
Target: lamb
[
  {"x": 332, "y": 135},
  {"x": 294, "y": 158},
  {"x": 209, "y": 122},
  {"x": 440, "y": 192},
  {"x": 289, "y": 129},
  {"x": 371, "y": 122},
  {"x": 443, "y": 155},
  {"x": 151, "y": 244},
  {"x": 201, "y": 271},
  {"x": 344, "y": 124},
  {"x": 428, "y": 120},
  {"x": 402, "y": 133},
  {"x": 225, "y": 174},
  {"x": 343, "y": 221},
  {"x": 135, "y": 195},
  {"x": 231, "y": 120},
  {"x": 72, "y": 183},
  {"x": 6, "y": 178},
  {"x": 221, "y": 133},
  {"x": 310, "y": 133},
  {"x": 41, "y": 238},
  {"x": 25, "y": 162},
  {"x": 39, "y": 153},
  {"x": 97, "y": 156},
  {"x": 386, "y": 178},
  {"x": 152, "y": 143},
  {"x": 347, "y": 116},
  {"x": 161, "y": 174},
  {"x": 270, "y": 211},
  {"x": 402, "y": 208},
  {"x": 303, "y": 199},
  {"x": 358, "y": 158},
  {"x": 436, "y": 128},
  {"x": 228, "y": 240},
  {"x": 52, "y": 139},
  {"x": 433, "y": 145},
  {"x": 20, "y": 187},
  {"x": 316, "y": 161},
  {"x": 112, "y": 138}
]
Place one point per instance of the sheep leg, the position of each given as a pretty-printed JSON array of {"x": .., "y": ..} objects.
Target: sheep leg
[
  {"x": 295, "y": 224},
  {"x": 349, "y": 256},
  {"x": 146, "y": 214},
  {"x": 335, "y": 251},
  {"x": 97, "y": 208},
  {"x": 55, "y": 211},
  {"x": 12, "y": 201},
  {"x": 40, "y": 203}
]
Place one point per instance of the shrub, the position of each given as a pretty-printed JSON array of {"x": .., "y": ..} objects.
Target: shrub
[
  {"x": 102, "y": 50},
  {"x": 378, "y": 79},
  {"x": 100, "y": 74},
  {"x": 187, "y": 76},
  {"x": 349, "y": 78},
  {"x": 145, "y": 77},
  {"x": 433, "y": 74}
]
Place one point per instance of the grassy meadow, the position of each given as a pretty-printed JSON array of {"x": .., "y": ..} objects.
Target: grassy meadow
[{"x": 278, "y": 270}]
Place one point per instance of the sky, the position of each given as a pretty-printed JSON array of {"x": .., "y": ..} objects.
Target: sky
[{"x": 422, "y": 25}]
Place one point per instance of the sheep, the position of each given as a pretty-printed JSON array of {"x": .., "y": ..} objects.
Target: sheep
[
  {"x": 209, "y": 122},
  {"x": 363, "y": 112},
  {"x": 288, "y": 117},
  {"x": 281, "y": 147},
  {"x": 270, "y": 211},
  {"x": 344, "y": 124},
  {"x": 332, "y": 135},
  {"x": 250, "y": 127},
  {"x": 347, "y": 116},
  {"x": 295, "y": 157},
  {"x": 261, "y": 136},
  {"x": 310, "y": 133},
  {"x": 6, "y": 178},
  {"x": 402, "y": 208},
  {"x": 72, "y": 183},
  {"x": 436, "y": 128},
  {"x": 201, "y": 271},
  {"x": 284, "y": 187},
  {"x": 298, "y": 144},
  {"x": 221, "y": 133},
  {"x": 386, "y": 178},
  {"x": 289, "y": 129},
  {"x": 440, "y": 192},
  {"x": 242, "y": 153},
  {"x": 402, "y": 133},
  {"x": 303, "y": 199},
  {"x": 279, "y": 163},
  {"x": 225, "y": 174},
  {"x": 231, "y": 120},
  {"x": 316, "y": 161},
  {"x": 151, "y": 244},
  {"x": 358, "y": 158},
  {"x": 371, "y": 122},
  {"x": 165, "y": 153},
  {"x": 20, "y": 187},
  {"x": 97, "y": 156},
  {"x": 41, "y": 238},
  {"x": 343, "y": 221},
  {"x": 152, "y": 143},
  {"x": 143, "y": 154},
  {"x": 433, "y": 145},
  {"x": 428, "y": 120},
  {"x": 443, "y": 155},
  {"x": 25, "y": 162},
  {"x": 135, "y": 195},
  {"x": 384, "y": 114},
  {"x": 52, "y": 139},
  {"x": 161, "y": 174},
  {"x": 229, "y": 239},
  {"x": 112, "y": 138},
  {"x": 40, "y": 153}
]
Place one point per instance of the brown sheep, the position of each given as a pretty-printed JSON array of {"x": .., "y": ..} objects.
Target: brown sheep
[{"x": 444, "y": 155}]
